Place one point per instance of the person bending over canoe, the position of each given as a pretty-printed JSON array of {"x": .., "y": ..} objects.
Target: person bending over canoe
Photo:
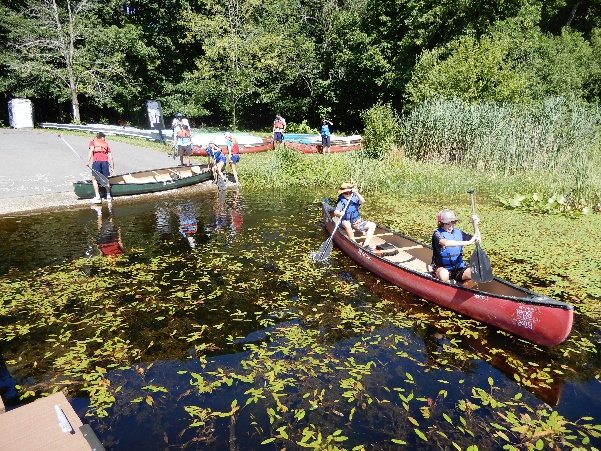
[
  {"x": 447, "y": 249},
  {"x": 347, "y": 195},
  {"x": 215, "y": 155}
]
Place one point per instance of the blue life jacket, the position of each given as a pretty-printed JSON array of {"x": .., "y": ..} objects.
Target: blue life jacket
[
  {"x": 325, "y": 130},
  {"x": 450, "y": 257},
  {"x": 352, "y": 211}
]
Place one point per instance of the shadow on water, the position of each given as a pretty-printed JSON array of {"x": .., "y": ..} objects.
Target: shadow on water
[{"x": 218, "y": 332}]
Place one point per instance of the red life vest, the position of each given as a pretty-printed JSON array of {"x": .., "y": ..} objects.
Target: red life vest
[
  {"x": 235, "y": 149},
  {"x": 278, "y": 124},
  {"x": 183, "y": 133},
  {"x": 100, "y": 146}
]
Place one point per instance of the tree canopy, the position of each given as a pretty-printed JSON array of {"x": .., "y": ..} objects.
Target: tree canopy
[{"x": 235, "y": 63}]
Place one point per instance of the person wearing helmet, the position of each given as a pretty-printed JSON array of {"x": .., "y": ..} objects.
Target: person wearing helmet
[
  {"x": 349, "y": 197},
  {"x": 447, "y": 249}
]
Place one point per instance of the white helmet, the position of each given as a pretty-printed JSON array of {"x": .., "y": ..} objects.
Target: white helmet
[{"x": 445, "y": 216}]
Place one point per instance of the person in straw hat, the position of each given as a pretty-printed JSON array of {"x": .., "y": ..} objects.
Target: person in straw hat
[{"x": 349, "y": 197}]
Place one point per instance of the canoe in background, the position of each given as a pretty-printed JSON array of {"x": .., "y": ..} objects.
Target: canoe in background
[
  {"x": 534, "y": 317},
  {"x": 246, "y": 143},
  {"x": 147, "y": 181},
  {"x": 313, "y": 144}
]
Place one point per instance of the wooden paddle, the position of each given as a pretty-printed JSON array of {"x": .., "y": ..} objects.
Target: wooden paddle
[
  {"x": 100, "y": 178},
  {"x": 324, "y": 251},
  {"x": 479, "y": 261}
]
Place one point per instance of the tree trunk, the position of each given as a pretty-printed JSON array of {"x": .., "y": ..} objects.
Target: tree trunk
[{"x": 75, "y": 106}]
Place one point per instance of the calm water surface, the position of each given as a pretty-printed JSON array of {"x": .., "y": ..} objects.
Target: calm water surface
[{"x": 382, "y": 380}]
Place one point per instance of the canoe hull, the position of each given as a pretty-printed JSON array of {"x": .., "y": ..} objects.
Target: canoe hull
[
  {"x": 144, "y": 182},
  {"x": 318, "y": 148},
  {"x": 266, "y": 145},
  {"x": 536, "y": 318}
]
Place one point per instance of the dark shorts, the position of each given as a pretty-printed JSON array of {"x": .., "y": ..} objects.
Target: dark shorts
[
  {"x": 184, "y": 150},
  {"x": 235, "y": 158},
  {"x": 325, "y": 140},
  {"x": 102, "y": 167},
  {"x": 361, "y": 225},
  {"x": 457, "y": 274},
  {"x": 278, "y": 137}
]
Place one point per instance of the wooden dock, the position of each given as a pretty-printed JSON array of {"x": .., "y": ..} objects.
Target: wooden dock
[{"x": 48, "y": 424}]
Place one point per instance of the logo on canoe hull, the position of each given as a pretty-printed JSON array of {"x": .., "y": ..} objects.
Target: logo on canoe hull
[{"x": 526, "y": 317}]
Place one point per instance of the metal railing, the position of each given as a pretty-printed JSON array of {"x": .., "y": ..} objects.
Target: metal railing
[{"x": 153, "y": 135}]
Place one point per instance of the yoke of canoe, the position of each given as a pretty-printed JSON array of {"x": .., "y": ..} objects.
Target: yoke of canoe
[{"x": 524, "y": 313}]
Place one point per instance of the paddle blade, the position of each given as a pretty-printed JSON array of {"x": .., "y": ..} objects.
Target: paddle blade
[
  {"x": 220, "y": 183},
  {"x": 101, "y": 178},
  {"x": 324, "y": 251},
  {"x": 480, "y": 266}
]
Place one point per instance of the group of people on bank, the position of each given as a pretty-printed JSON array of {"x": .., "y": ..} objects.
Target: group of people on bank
[
  {"x": 217, "y": 158},
  {"x": 447, "y": 240},
  {"x": 279, "y": 127}
]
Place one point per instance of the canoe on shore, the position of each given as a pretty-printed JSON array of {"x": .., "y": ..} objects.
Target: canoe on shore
[
  {"x": 147, "y": 181},
  {"x": 534, "y": 317},
  {"x": 313, "y": 144},
  {"x": 246, "y": 143}
]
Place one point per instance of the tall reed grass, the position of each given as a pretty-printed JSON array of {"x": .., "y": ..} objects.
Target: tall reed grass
[{"x": 558, "y": 138}]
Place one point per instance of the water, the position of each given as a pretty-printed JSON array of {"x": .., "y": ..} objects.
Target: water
[{"x": 214, "y": 329}]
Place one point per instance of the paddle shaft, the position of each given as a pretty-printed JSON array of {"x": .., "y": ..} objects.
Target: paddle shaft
[
  {"x": 100, "y": 177},
  {"x": 479, "y": 262}
]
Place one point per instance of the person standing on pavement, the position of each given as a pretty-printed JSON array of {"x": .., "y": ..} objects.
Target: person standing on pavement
[
  {"x": 182, "y": 138},
  {"x": 102, "y": 161},
  {"x": 325, "y": 135},
  {"x": 233, "y": 153}
]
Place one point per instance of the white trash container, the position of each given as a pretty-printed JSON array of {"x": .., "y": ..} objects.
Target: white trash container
[{"x": 20, "y": 113}]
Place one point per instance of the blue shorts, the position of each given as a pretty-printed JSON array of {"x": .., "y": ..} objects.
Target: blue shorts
[
  {"x": 325, "y": 140},
  {"x": 220, "y": 159},
  {"x": 235, "y": 158},
  {"x": 278, "y": 137},
  {"x": 102, "y": 167}
]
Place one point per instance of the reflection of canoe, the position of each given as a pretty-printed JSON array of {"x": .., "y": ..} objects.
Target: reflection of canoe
[
  {"x": 499, "y": 351},
  {"x": 246, "y": 143},
  {"x": 538, "y": 319},
  {"x": 313, "y": 144},
  {"x": 147, "y": 181}
]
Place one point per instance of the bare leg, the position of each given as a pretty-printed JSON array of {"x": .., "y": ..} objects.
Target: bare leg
[
  {"x": 233, "y": 165},
  {"x": 371, "y": 228}
]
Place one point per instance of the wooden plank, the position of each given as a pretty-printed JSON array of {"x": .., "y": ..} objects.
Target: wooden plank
[{"x": 36, "y": 426}]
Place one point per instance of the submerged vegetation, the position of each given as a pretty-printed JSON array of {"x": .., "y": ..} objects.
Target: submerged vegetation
[{"x": 256, "y": 345}]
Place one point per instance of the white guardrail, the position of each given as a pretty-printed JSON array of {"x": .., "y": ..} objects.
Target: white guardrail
[{"x": 154, "y": 135}]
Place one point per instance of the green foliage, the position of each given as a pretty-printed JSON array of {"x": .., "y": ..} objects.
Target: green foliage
[
  {"x": 558, "y": 137},
  {"x": 302, "y": 127},
  {"x": 540, "y": 204},
  {"x": 381, "y": 130}
]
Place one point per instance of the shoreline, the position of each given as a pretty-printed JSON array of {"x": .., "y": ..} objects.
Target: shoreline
[{"x": 41, "y": 203}]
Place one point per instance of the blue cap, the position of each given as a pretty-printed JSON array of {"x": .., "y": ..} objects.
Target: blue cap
[{"x": 179, "y": 115}]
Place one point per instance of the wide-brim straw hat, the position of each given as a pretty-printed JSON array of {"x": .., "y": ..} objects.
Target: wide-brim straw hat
[{"x": 345, "y": 187}]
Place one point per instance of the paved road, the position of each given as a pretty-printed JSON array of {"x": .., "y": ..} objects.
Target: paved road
[
  {"x": 37, "y": 169},
  {"x": 39, "y": 162}
]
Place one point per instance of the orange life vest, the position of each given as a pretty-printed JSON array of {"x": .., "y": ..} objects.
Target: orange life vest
[
  {"x": 278, "y": 124},
  {"x": 183, "y": 133}
]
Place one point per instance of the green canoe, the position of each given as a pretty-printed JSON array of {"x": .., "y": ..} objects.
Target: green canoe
[{"x": 147, "y": 181}]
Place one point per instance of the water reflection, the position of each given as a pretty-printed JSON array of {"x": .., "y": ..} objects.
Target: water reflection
[
  {"x": 227, "y": 214},
  {"x": 109, "y": 235},
  {"x": 188, "y": 224}
]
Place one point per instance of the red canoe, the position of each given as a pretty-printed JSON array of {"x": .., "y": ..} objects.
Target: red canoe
[
  {"x": 534, "y": 317},
  {"x": 318, "y": 148},
  {"x": 266, "y": 145}
]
